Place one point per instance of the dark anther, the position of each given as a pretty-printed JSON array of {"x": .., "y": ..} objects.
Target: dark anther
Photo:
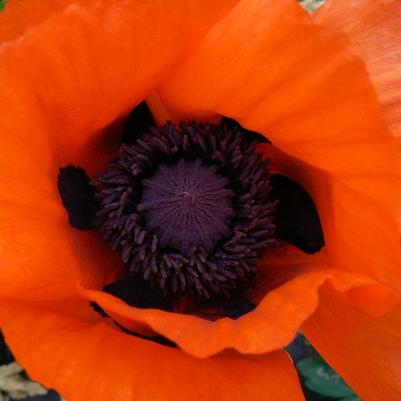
[
  {"x": 77, "y": 196},
  {"x": 158, "y": 339},
  {"x": 296, "y": 218},
  {"x": 137, "y": 123},
  {"x": 188, "y": 208},
  {"x": 251, "y": 135}
]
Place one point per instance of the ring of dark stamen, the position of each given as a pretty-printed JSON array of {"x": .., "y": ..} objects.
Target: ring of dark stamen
[{"x": 233, "y": 259}]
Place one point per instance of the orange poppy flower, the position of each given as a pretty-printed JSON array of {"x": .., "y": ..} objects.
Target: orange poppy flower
[{"x": 324, "y": 90}]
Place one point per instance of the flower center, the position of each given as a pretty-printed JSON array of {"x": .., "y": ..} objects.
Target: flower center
[
  {"x": 188, "y": 208},
  {"x": 188, "y": 204}
]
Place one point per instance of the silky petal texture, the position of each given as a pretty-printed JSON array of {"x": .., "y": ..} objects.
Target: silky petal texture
[
  {"x": 294, "y": 288},
  {"x": 271, "y": 326},
  {"x": 84, "y": 350},
  {"x": 375, "y": 31},
  {"x": 53, "y": 116},
  {"x": 66, "y": 84},
  {"x": 19, "y": 16},
  {"x": 364, "y": 350},
  {"x": 297, "y": 83},
  {"x": 194, "y": 16}
]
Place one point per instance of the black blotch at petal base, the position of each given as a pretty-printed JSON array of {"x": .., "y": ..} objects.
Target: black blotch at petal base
[
  {"x": 137, "y": 123},
  {"x": 78, "y": 197},
  {"x": 156, "y": 339},
  {"x": 296, "y": 218},
  {"x": 252, "y": 135},
  {"x": 136, "y": 291},
  {"x": 234, "y": 307}
]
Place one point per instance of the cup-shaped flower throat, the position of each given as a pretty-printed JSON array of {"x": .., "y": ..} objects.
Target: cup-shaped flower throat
[
  {"x": 191, "y": 209},
  {"x": 188, "y": 208}
]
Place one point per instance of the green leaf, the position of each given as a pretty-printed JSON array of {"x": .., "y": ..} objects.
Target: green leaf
[
  {"x": 2, "y": 4},
  {"x": 320, "y": 378},
  {"x": 353, "y": 398}
]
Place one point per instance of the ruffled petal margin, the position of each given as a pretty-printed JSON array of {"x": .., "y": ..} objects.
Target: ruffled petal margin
[
  {"x": 69, "y": 72},
  {"x": 24, "y": 15},
  {"x": 69, "y": 347},
  {"x": 274, "y": 322},
  {"x": 275, "y": 89},
  {"x": 299, "y": 84},
  {"x": 364, "y": 350},
  {"x": 60, "y": 87},
  {"x": 375, "y": 31}
]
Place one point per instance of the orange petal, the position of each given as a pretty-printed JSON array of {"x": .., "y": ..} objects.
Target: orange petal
[
  {"x": 67, "y": 76},
  {"x": 20, "y": 16},
  {"x": 292, "y": 89},
  {"x": 298, "y": 84},
  {"x": 68, "y": 347},
  {"x": 364, "y": 350},
  {"x": 375, "y": 32},
  {"x": 45, "y": 261},
  {"x": 62, "y": 83},
  {"x": 375, "y": 199},
  {"x": 271, "y": 326}
]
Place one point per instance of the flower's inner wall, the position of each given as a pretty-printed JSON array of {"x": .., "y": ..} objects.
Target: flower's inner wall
[{"x": 295, "y": 219}]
